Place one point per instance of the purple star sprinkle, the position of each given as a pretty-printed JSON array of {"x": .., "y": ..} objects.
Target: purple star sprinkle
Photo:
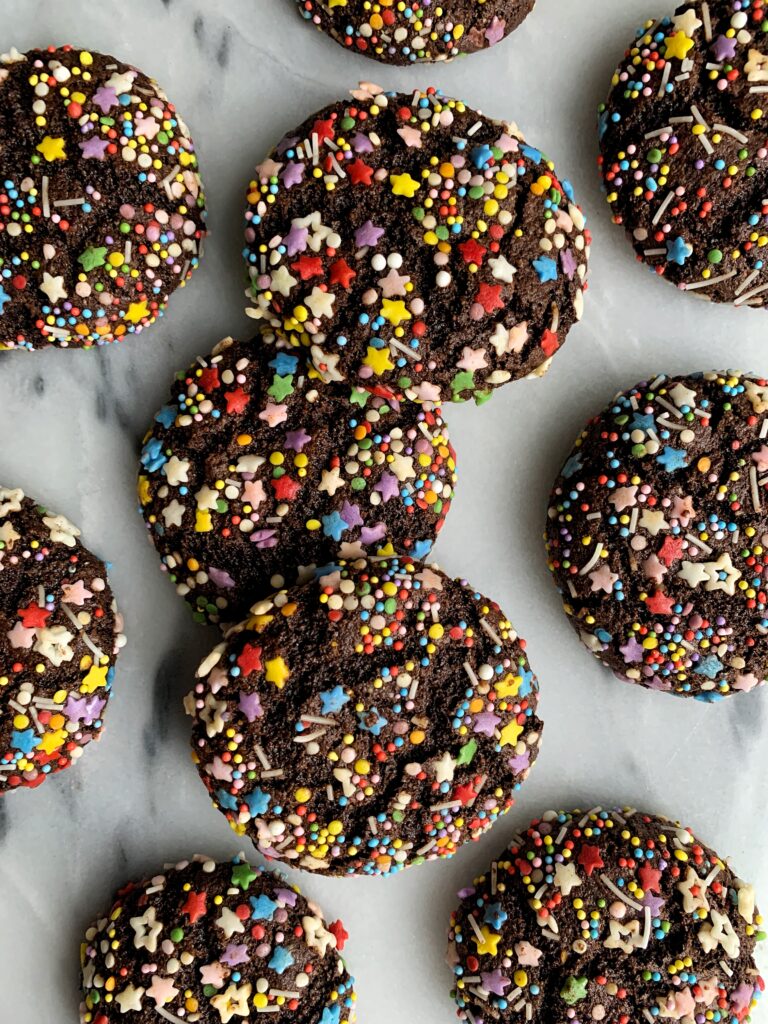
[{"x": 368, "y": 234}]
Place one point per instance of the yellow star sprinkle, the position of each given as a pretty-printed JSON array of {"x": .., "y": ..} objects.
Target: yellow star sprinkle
[
  {"x": 277, "y": 672},
  {"x": 404, "y": 185},
  {"x": 378, "y": 360},
  {"x": 394, "y": 311},
  {"x": 678, "y": 46},
  {"x": 509, "y": 686},
  {"x": 137, "y": 311},
  {"x": 52, "y": 149},
  {"x": 489, "y": 944},
  {"x": 96, "y": 677},
  {"x": 52, "y": 741},
  {"x": 510, "y": 734}
]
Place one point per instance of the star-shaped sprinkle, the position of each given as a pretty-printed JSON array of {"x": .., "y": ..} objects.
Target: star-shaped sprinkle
[
  {"x": 590, "y": 858},
  {"x": 52, "y": 149},
  {"x": 677, "y": 46},
  {"x": 679, "y": 251},
  {"x": 486, "y": 942}
]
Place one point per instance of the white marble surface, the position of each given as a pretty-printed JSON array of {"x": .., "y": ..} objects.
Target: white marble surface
[{"x": 242, "y": 72}]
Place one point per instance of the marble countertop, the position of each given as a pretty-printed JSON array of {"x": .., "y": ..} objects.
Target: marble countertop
[{"x": 242, "y": 72}]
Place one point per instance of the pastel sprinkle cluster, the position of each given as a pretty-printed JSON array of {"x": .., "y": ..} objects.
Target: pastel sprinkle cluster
[
  {"x": 656, "y": 535},
  {"x": 415, "y": 247},
  {"x": 684, "y": 148},
  {"x": 405, "y": 735},
  {"x": 101, "y": 206},
  {"x": 208, "y": 943},
  {"x": 60, "y": 634},
  {"x": 612, "y": 916}
]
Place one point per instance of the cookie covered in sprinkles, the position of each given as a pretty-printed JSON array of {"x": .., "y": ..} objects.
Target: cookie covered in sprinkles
[
  {"x": 102, "y": 213},
  {"x": 656, "y": 534},
  {"x": 208, "y": 943},
  {"x": 256, "y": 472},
  {"x": 379, "y": 716},
  {"x": 613, "y": 916},
  {"x": 684, "y": 150},
  {"x": 398, "y": 33},
  {"x": 415, "y": 247},
  {"x": 60, "y": 635}
]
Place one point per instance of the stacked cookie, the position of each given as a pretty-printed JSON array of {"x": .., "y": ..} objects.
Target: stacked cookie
[{"x": 402, "y": 251}]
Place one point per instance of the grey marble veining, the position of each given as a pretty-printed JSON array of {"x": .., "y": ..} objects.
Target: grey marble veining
[{"x": 242, "y": 72}]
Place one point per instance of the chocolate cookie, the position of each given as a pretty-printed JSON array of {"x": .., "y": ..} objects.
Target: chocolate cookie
[
  {"x": 415, "y": 246},
  {"x": 59, "y": 640},
  {"x": 255, "y": 473},
  {"x": 379, "y": 716},
  {"x": 209, "y": 943},
  {"x": 101, "y": 207},
  {"x": 404, "y": 34},
  {"x": 684, "y": 153},
  {"x": 656, "y": 531},
  {"x": 606, "y": 916}
]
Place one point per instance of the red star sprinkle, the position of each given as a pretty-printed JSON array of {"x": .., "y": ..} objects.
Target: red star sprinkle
[
  {"x": 649, "y": 878},
  {"x": 342, "y": 273},
  {"x": 236, "y": 400},
  {"x": 360, "y": 173},
  {"x": 340, "y": 933},
  {"x": 464, "y": 794},
  {"x": 590, "y": 858},
  {"x": 209, "y": 379},
  {"x": 550, "y": 343},
  {"x": 250, "y": 659},
  {"x": 670, "y": 550},
  {"x": 195, "y": 907},
  {"x": 472, "y": 251},
  {"x": 285, "y": 488},
  {"x": 308, "y": 266},
  {"x": 33, "y": 616},
  {"x": 323, "y": 130},
  {"x": 489, "y": 297},
  {"x": 659, "y": 604}
]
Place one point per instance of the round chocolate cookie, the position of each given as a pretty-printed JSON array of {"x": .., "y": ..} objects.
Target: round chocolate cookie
[
  {"x": 60, "y": 634},
  {"x": 612, "y": 916},
  {"x": 656, "y": 533},
  {"x": 101, "y": 207},
  {"x": 415, "y": 246},
  {"x": 208, "y": 943},
  {"x": 377, "y": 717},
  {"x": 684, "y": 152},
  {"x": 256, "y": 472},
  {"x": 398, "y": 33}
]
